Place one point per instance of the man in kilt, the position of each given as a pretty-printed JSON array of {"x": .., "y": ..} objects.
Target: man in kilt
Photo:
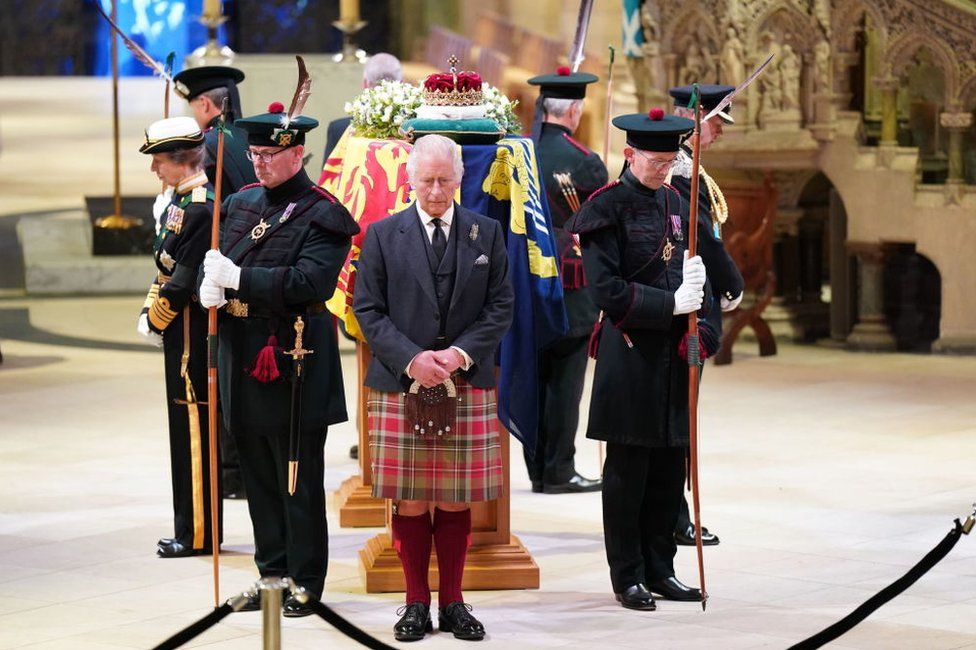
[{"x": 434, "y": 300}]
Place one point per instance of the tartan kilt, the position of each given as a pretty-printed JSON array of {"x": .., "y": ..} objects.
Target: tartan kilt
[{"x": 464, "y": 467}]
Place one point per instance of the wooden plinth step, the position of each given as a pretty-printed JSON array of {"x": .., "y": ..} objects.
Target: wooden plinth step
[
  {"x": 357, "y": 506},
  {"x": 494, "y": 566}
]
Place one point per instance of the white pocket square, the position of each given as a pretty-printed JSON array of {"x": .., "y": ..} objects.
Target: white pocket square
[{"x": 482, "y": 260}]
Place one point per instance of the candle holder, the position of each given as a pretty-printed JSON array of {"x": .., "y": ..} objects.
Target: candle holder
[
  {"x": 349, "y": 53},
  {"x": 212, "y": 53}
]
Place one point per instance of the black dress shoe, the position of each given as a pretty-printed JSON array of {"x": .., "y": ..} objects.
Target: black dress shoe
[
  {"x": 673, "y": 589},
  {"x": 457, "y": 618},
  {"x": 576, "y": 484},
  {"x": 414, "y": 623},
  {"x": 165, "y": 541},
  {"x": 686, "y": 537},
  {"x": 177, "y": 549},
  {"x": 636, "y": 597},
  {"x": 291, "y": 608},
  {"x": 252, "y": 604},
  {"x": 537, "y": 487}
]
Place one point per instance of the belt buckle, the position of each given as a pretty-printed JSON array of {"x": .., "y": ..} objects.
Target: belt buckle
[{"x": 237, "y": 308}]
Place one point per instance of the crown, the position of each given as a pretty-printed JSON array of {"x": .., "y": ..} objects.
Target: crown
[{"x": 453, "y": 88}]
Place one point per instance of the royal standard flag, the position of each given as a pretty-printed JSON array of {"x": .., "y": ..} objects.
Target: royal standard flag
[
  {"x": 369, "y": 177},
  {"x": 502, "y": 181}
]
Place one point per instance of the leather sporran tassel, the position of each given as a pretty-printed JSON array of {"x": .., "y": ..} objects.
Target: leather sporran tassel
[
  {"x": 265, "y": 366},
  {"x": 432, "y": 411}
]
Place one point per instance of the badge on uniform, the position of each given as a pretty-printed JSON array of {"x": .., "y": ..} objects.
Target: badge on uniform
[
  {"x": 668, "y": 250},
  {"x": 167, "y": 261},
  {"x": 257, "y": 232},
  {"x": 174, "y": 219}
]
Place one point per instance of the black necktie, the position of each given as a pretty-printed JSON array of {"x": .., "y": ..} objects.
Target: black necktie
[{"x": 438, "y": 242}]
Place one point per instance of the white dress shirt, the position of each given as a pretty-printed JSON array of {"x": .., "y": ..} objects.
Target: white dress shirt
[{"x": 427, "y": 222}]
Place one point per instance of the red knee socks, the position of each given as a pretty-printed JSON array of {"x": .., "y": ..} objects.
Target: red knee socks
[
  {"x": 452, "y": 535},
  {"x": 412, "y": 539}
]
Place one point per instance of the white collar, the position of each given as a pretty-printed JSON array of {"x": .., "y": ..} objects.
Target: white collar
[
  {"x": 187, "y": 184},
  {"x": 425, "y": 218}
]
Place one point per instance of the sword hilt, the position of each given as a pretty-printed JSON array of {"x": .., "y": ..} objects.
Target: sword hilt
[{"x": 299, "y": 352}]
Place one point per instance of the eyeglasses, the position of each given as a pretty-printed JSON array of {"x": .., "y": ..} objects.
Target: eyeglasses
[
  {"x": 266, "y": 158},
  {"x": 658, "y": 165}
]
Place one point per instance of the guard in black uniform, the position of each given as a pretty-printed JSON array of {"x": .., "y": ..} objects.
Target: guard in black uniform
[
  {"x": 634, "y": 243},
  {"x": 723, "y": 274},
  {"x": 570, "y": 172},
  {"x": 283, "y": 243},
  {"x": 205, "y": 88},
  {"x": 171, "y": 310}
]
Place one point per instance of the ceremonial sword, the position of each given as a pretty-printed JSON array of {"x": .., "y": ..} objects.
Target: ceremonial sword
[{"x": 298, "y": 355}]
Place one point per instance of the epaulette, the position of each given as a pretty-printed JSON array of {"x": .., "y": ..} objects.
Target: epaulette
[
  {"x": 324, "y": 192},
  {"x": 576, "y": 144},
  {"x": 603, "y": 189},
  {"x": 198, "y": 194}
]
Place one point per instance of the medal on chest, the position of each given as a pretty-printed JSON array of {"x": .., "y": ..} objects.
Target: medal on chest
[{"x": 174, "y": 219}]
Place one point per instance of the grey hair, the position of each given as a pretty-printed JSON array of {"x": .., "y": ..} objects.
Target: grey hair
[
  {"x": 217, "y": 95},
  {"x": 558, "y": 107},
  {"x": 382, "y": 67},
  {"x": 192, "y": 158},
  {"x": 434, "y": 145}
]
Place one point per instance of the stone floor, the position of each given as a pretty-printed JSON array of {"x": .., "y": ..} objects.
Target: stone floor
[{"x": 827, "y": 475}]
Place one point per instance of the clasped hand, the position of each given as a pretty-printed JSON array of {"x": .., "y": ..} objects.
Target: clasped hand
[{"x": 432, "y": 367}]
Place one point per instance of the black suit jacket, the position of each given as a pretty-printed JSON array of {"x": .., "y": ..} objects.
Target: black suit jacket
[{"x": 395, "y": 303}]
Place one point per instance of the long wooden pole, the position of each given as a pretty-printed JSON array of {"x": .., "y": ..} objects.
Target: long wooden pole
[
  {"x": 693, "y": 350},
  {"x": 608, "y": 115},
  {"x": 212, "y": 368}
]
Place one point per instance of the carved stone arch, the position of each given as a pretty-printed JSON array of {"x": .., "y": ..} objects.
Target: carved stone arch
[
  {"x": 967, "y": 95},
  {"x": 900, "y": 53},
  {"x": 805, "y": 28},
  {"x": 846, "y": 21},
  {"x": 691, "y": 15}
]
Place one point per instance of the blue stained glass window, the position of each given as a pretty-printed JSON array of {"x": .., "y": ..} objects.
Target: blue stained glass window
[{"x": 158, "y": 26}]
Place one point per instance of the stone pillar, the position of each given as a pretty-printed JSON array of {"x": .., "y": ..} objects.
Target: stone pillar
[
  {"x": 843, "y": 61},
  {"x": 956, "y": 123},
  {"x": 888, "y": 85},
  {"x": 871, "y": 332},
  {"x": 786, "y": 265},
  {"x": 841, "y": 271}
]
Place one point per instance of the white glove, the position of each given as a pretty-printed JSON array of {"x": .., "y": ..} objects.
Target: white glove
[
  {"x": 159, "y": 207},
  {"x": 689, "y": 296},
  {"x": 142, "y": 327},
  {"x": 729, "y": 305},
  {"x": 211, "y": 295},
  {"x": 221, "y": 271},
  {"x": 693, "y": 271}
]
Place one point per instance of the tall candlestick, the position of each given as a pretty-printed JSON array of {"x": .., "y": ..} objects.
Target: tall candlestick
[
  {"x": 349, "y": 11},
  {"x": 211, "y": 8}
]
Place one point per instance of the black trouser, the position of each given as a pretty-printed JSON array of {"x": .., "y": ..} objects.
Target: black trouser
[
  {"x": 230, "y": 462},
  {"x": 290, "y": 532},
  {"x": 684, "y": 516},
  {"x": 189, "y": 448},
  {"x": 641, "y": 490},
  {"x": 562, "y": 369}
]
